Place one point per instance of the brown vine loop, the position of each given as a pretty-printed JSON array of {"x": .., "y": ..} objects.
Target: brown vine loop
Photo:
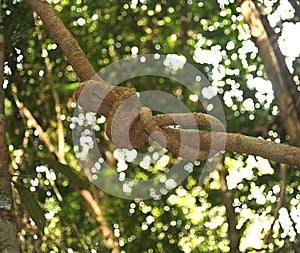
[
  {"x": 121, "y": 118},
  {"x": 95, "y": 97},
  {"x": 168, "y": 137},
  {"x": 130, "y": 126},
  {"x": 189, "y": 119},
  {"x": 120, "y": 106}
]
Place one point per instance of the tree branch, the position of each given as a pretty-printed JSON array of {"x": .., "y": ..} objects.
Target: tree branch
[
  {"x": 85, "y": 71},
  {"x": 290, "y": 85},
  {"x": 106, "y": 230},
  {"x": 280, "y": 203},
  {"x": 227, "y": 198},
  {"x": 276, "y": 69},
  {"x": 60, "y": 128},
  {"x": 296, "y": 7},
  {"x": 32, "y": 123}
]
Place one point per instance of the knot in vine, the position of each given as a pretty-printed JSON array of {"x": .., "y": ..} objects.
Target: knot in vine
[{"x": 130, "y": 125}]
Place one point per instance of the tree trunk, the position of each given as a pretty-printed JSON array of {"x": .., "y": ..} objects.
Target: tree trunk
[
  {"x": 285, "y": 89},
  {"x": 8, "y": 231}
]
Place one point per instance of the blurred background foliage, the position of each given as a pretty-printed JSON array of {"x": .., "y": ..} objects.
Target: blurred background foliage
[{"x": 210, "y": 35}]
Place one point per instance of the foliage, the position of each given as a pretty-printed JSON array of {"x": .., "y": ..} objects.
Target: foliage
[{"x": 212, "y": 36}]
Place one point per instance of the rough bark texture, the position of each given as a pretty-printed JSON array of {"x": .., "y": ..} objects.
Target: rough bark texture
[
  {"x": 8, "y": 239},
  {"x": 65, "y": 40},
  {"x": 242, "y": 144},
  {"x": 280, "y": 153},
  {"x": 85, "y": 71},
  {"x": 8, "y": 232},
  {"x": 5, "y": 186},
  {"x": 285, "y": 93}
]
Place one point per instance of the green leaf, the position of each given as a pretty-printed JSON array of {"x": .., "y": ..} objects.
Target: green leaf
[
  {"x": 32, "y": 206},
  {"x": 68, "y": 172}
]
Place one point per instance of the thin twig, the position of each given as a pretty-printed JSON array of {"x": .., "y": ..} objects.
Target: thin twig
[
  {"x": 91, "y": 199},
  {"x": 32, "y": 123},
  {"x": 227, "y": 198},
  {"x": 60, "y": 127},
  {"x": 283, "y": 175}
]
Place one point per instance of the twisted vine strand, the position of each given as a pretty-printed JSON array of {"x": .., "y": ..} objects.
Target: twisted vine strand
[
  {"x": 146, "y": 127},
  {"x": 234, "y": 142}
]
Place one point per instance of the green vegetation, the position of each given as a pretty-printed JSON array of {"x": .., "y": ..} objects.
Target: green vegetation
[{"x": 59, "y": 210}]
